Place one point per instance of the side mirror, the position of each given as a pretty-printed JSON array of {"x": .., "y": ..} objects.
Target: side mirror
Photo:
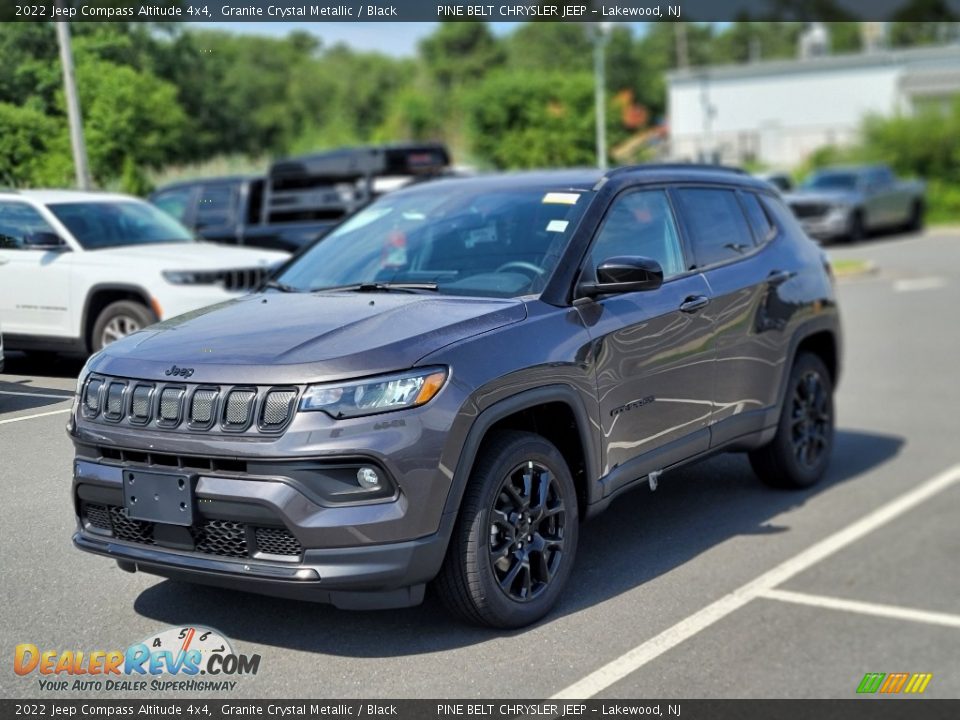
[
  {"x": 623, "y": 275},
  {"x": 43, "y": 240}
]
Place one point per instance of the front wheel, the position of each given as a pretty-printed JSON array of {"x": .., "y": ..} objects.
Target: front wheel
[
  {"x": 119, "y": 319},
  {"x": 513, "y": 547},
  {"x": 798, "y": 455}
]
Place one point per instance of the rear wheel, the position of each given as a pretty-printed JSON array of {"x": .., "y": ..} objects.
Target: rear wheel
[
  {"x": 915, "y": 224},
  {"x": 513, "y": 546},
  {"x": 798, "y": 455},
  {"x": 857, "y": 230},
  {"x": 119, "y": 319}
]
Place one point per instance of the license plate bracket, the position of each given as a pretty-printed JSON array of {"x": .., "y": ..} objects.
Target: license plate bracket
[{"x": 159, "y": 497}]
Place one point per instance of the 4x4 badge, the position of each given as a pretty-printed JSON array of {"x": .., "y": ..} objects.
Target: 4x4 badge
[{"x": 182, "y": 372}]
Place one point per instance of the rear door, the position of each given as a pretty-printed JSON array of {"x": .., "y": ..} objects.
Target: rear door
[
  {"x": 653, "y": 354},
  {"x": 34, "y": 284},
  {"x": 734, "y": 245}
]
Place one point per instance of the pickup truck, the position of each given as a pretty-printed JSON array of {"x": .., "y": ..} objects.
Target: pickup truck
[
  {"x": 852, "y": 202},
  {"x": 301, "y": 198}
]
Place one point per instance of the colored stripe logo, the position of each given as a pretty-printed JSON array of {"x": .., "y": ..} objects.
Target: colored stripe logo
[{"x": 893, "y": 683}]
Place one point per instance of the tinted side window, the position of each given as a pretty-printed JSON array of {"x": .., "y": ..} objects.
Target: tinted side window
[
  {"x": 217, "y": 205},
  {"x": 174, "y": 202},
  {"x": 760, "y": 223},
  {"x": 17, "y": 222},
  {"x": 640, "y": 224},
  {"x": 716, "y": 223}
]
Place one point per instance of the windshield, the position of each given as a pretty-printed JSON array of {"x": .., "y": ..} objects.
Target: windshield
[
  {"x": 98, "y": 225},
  {"x": 469, "y": 241},
  {"x": 832, "y": 181}
]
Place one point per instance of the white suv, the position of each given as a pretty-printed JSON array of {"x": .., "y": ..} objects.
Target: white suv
[{"x": 79, "y": 270}]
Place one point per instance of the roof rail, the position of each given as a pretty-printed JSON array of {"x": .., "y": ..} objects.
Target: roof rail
[{"x": 679, "y": 166}]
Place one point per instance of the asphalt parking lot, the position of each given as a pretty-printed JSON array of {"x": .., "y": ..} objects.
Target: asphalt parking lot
[{"x": 713, "y": 586}]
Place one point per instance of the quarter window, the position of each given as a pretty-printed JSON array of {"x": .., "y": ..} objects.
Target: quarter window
[
  {"x": 640, "y": 224},
  {"x": 716, "y": 224},
  {"x": 760, "y": 223}
]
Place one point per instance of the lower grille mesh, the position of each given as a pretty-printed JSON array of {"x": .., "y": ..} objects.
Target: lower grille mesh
[
  {"x": 221, "y": 537},
  {"x": 225, "y": 538},
  {"x": 277, "y": 541}
]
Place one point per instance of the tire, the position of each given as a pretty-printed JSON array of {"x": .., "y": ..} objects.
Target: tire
[
  {"x": 496, "y": 539},
  {"x": 799, "y": 453},
  {"x": 915, "y": 223},
  {"x": 119, "y": 319},
  {"x": 857, "y": 230}
]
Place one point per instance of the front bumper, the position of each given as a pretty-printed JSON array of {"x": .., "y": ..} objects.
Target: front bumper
[
  {"x": 828, "y": 226},
  {"x": 361, "y": 578}
]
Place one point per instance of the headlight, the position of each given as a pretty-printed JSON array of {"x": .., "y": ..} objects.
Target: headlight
[
  {"x": 375, "y": 395},
  {"x": 190, "y": 277}
]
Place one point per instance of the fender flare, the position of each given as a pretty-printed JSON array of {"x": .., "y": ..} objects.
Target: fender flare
[
  {"x": 100, "y": 287},
  {"x": 509, "y": 406}
]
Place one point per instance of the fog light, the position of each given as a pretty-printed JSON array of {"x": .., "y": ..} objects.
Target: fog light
[{"x": 368, "y": 478}]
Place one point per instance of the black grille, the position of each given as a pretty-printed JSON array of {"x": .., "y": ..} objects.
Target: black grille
[
  {"x": 140, "y": 403},
  {"x": 238, "y": 409},
  {"x": 185, "y": 406},
  {"x": 124, "y": 528},
  {"x": 277, "y": 408},
  {"x": 97, "y": 515},
  {"x": 277, "y": 541},
  {"x": 114, "y": 405},
  {"x": 809, "y": 210},
  {"x": 202, "y": 406},
  {"x": 221, "y": 537},
  {"x": 91, "y": 398},
  {"x": 170, "y": 400}
]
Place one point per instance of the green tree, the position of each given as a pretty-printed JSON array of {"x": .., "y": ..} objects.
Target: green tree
[
  {"x": 33, "y": 148},
  {"x": 458, "y": 53}
]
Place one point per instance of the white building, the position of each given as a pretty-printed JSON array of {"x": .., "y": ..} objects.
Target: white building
[{"x": 777, "y": 112}]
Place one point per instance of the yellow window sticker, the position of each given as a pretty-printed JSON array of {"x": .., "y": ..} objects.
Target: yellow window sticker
[{"x": 561, "y": 198}]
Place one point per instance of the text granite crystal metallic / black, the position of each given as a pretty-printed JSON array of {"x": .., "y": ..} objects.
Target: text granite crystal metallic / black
[{"x": 447, "y": 384}]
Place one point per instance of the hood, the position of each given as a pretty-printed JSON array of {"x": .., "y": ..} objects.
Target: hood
[
  {"x": 277, "y": 338},
  {"x": 185, "y": 256},
  {"x": 825, "y": 197}
]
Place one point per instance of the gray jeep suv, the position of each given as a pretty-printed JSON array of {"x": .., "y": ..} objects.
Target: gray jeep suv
[{"x": 449, "y": 382}]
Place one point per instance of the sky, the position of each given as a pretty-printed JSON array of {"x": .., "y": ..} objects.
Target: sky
[{"x": 397, "y": 39}]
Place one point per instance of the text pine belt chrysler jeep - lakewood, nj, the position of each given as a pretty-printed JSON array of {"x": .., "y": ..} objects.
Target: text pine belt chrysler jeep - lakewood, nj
[{"x": 448, "y": 383}]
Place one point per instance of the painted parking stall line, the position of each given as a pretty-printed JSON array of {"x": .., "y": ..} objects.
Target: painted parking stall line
[
  {"x": 863, "y": 608},
  {"x": 34, "y": 416},
  {"x": 634, "y": 659}
]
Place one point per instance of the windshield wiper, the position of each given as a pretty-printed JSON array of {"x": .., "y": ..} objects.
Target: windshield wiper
[
  {"x": 380, "y": 287},
  {"x": 273, "y": 284}
]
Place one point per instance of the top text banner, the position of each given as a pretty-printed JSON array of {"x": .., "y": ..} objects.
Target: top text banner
[{"x": 592, "y": 11}]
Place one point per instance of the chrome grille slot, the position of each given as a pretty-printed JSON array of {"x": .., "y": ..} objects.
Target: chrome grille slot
[
  {"x": 277, "y": 409},
  {"x": 238, "y": 409},
  {"x": 202, "y": 406},
  {"x": 113, "y": 409},
  {"x": 140, "y": 404},
  {"x": 171, "y": 400}
]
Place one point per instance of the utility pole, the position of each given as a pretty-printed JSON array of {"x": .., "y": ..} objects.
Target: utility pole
[
  {"x": 73, "y": 106},
  {"x": 680, "y": 36},
  {"x": 600, "y": 90}
]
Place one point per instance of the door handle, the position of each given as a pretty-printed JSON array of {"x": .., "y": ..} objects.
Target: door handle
[
  {"x": 694, "y": 303},
  {"x": 778, "y": 277}
]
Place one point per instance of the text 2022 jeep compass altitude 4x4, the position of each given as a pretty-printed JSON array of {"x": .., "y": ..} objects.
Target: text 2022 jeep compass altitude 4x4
[{"x": 448, "y": 383}]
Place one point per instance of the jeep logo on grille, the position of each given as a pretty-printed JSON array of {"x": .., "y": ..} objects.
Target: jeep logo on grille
[{"x": 182, "y": 372}]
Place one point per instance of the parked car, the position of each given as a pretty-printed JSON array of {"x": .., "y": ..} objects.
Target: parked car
[
  {"x": 852, "y": 202},
  {"x": 451, "y": 380},
  {"x": 780, "y": 180},
  {"x": 1, "y": 349},
  {"x": 301, "y": 198},
  {"x": 81, "y": 270}
]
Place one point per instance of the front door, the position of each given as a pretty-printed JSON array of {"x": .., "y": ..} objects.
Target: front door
[{"x": 653, "y": 352}]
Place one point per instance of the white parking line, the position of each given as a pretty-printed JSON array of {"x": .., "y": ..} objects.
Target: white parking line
[
  {"x": 864, "y": 608},
  {"x": 915, "y": 284},
  {"x": 634, "y": 659},
  {"x": 31, "y": 417},
  {"x": 39, "y": 395}
]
